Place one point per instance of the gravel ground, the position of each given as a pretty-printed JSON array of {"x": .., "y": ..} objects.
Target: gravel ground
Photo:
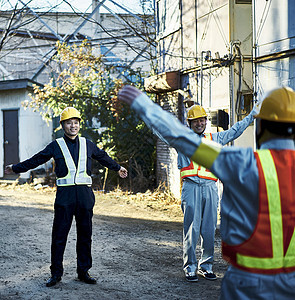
[{"x": 137, "y": 250}]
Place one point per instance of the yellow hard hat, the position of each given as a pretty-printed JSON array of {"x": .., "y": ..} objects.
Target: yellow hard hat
[
  {"x": 69, "y": 113},
  {"x": 195, "y": 112},
  {"x": 278, "y": 106}
]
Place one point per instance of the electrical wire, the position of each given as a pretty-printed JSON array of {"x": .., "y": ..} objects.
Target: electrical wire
[
  {"x": 218, "y": 22},
  {"x": 263, "y": 19},
  {"x": 132, "y": 47},
  {"x": 213, "y": 13},
  {"x": 205, "y": 30}
]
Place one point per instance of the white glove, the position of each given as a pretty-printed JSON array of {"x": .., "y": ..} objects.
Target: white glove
[{"x": 256, "y": 109}]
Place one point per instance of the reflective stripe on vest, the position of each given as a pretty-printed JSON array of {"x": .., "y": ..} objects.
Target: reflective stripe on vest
[
  {"x": 197, "y": 170},
  {"x": 271, "y": 248},
  {"x": 75, "y": 176}
]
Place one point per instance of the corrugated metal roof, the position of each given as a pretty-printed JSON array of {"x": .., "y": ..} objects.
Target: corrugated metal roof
[{"x": 17, "y": 84}]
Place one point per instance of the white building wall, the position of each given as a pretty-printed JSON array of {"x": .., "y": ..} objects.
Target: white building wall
[
  {"x": 34, "y": 133},
  {"x": 213, "y": 36},
  {"x": 213, "y": 26},
  {"x": 195, "y": 37},
  {"x": 276, "y": 73},
  {"x": 276, "y": 36},
  {"x": 274, "y": 29},
  {"x": 220, "y": 25}
]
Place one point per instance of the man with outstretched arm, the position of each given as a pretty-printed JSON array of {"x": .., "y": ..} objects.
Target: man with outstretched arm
[
  {"x": 258, "y": 203},
  {"x": 74, "y": 195},
  {"x": 199, "y": 197}
]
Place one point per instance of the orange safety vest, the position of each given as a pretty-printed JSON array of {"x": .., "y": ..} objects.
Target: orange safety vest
[
  {"x": 196, "y": 170},
  {"x": 271, "y": 247}
]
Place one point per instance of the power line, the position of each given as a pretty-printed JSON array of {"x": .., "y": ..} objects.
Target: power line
[{"x": 263, "y": 19}]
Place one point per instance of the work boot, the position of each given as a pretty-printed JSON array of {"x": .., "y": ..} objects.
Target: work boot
[
  {"x": 53, "y": 280},
  {"x": 87, "y": 278}
]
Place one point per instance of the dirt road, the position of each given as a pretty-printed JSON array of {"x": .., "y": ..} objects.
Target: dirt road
[{"x": 137, "y": 249}]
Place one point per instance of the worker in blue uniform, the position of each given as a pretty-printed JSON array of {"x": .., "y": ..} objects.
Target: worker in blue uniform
[
  {"x": 74, "y": 196},
  {"x": 258, "y": 202},
  {"x": 199, "y": 197}
]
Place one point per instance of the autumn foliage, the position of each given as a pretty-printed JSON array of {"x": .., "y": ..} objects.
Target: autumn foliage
[{"x": 84, "y": 80}]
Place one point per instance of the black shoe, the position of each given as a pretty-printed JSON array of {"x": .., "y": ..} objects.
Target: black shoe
[
  {"x": 87, "y": 278},
  {"x": 191, "y": 277},
  {"x": 207, "y": 274},
  {"x": 53, "y": 280}
]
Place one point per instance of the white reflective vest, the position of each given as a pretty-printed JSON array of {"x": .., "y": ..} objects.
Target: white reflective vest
[{"x": 75, "y": 176}]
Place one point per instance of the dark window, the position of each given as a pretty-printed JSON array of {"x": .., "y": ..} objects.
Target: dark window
[{"x": 243, "y": 1}]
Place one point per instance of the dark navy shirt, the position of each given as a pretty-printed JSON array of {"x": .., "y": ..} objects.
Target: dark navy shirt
[{"x": 53, "y": 150}]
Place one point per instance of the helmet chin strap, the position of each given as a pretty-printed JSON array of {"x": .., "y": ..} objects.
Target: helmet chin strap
[
  {"x": 262, "y": 133},
  {"x": 201, "y": 132},
  {"x": 259, "y": 133},
  {"x": 258, "y": 139}
]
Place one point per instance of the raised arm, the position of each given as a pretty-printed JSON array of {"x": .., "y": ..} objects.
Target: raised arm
[
  {"x": 170, "y": 128},
  {"x": 238, "y": 128}
]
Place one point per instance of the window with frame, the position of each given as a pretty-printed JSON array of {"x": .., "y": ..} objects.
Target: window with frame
[{"x": 243, "y": 1}]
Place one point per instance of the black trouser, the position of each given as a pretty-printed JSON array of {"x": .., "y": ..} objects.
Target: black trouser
[{"x": 72, "y": 201}]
